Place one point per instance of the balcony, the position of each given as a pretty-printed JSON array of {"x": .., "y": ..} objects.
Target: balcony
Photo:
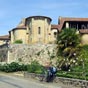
[{"x": 83, "y": 31}]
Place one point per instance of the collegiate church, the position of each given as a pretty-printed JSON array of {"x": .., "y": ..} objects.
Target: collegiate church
[{"x": 38, "y": 29}]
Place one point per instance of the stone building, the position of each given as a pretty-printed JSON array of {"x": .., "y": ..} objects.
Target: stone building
[
  {"x": 34, "y": 29},
  {"x": 38, "y": 29}
]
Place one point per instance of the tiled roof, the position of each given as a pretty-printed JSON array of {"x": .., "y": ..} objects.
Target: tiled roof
[
  {"x": 53, "y": 26},
  {"x": 38, "y": 17},
  {"x": 83, "y": 31},
  {"x": 5, "y": 37},
  {"x": 21, "y": 25},
  {"x": 73, "y": 19},
  {"x": 19, "y": 28}
]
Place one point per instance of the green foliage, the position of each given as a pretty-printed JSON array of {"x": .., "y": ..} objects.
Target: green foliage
[
  {"x": 84, "y": 52},
  {"x": 67, "y": 74},
  {"x": 23, "y": 67},
  {"x": 13, "y": 67},
  {"x": 18, "y": 42},
  {"x": 80, "y": 70},
  {"x": 35, "y": 67},
  {"x": 68, "y": 42},
  {"x": 76, "y": 72}
]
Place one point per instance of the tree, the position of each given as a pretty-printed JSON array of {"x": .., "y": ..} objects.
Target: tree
[{"x": 68, "y": 42}]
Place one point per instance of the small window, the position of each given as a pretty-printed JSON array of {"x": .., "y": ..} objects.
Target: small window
[
  {"x": 39, "y": 30},
  {"x": 27, "y": 33},
  {"x": 83, "y": 27},
  {"x": 30, "y": 30},
  {"x": 55, "y": 34}
]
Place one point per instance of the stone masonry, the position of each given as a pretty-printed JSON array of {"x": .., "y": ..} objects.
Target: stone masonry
[
  {"x": 3, "y": 52},
  {"x": 26, "y": 53}
]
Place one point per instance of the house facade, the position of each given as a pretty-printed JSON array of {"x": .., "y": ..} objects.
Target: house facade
[
  {"x": 80, "y": 24},
  {"x": 38, "y": 29}
]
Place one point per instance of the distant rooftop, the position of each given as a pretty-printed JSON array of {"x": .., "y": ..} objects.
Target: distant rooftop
[{"x": 5, "y": 37}]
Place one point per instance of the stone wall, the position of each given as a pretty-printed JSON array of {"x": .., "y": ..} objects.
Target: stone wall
[
  {"x": 72, "y": 83},
  {"x": 4, "y": 53},
  {"x": 27, "y": 53}
]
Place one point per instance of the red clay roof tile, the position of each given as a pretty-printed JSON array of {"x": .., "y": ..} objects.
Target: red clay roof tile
[{"x": 5, "y": 37}]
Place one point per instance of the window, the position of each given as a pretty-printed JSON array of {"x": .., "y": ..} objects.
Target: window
[
  {"x": 83, "y": 26},
  {"x": 39, "y": 30},
  {"x": 55, "y": 34},
  {"x": 74, "y": 26},
  {"x": 30, "y": 30}
]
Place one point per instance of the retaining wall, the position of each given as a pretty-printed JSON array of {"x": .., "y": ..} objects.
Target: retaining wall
[{"x": 66, "y": 81}]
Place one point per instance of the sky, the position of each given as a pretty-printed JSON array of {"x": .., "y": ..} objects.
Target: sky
[{"x": 12, "y": 11}]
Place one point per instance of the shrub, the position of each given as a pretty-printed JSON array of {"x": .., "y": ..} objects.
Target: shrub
[
  {"x": 13, "y": 67},
  {"x": 23, "y": 67},
  {"x": 84, "y": 52},
  {"x": 5, "y": 68},
  {"x": 35, "y": 67},
  {"x": 18, "y": 42}
]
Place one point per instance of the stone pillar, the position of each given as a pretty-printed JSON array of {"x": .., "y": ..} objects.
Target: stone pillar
[
  {"x": 67, "y": 24},
  {"x": 12, "y": 37},
  {"x": 8, "y": 60},
  {"x": 27, "y": 35},
  {"x": 45, "y": 32},
  {"x": 49, "y": 34},
  {"x": 33, "y": 32},
  {"x": 77, "y": 27}
]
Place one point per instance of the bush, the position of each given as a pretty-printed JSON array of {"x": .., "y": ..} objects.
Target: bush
[
  {"x": 18, "y": 42},
  {"x": 35, "y": 67},
  {"x": 23, "y": 67},
  {"x": 5, "y": 68},
  {"x": 13, "y": 67}
]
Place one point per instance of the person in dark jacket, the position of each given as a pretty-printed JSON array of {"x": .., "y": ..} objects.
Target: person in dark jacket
[{"x": 51, "y": 73}]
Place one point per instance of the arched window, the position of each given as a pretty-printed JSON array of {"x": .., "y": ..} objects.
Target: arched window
[
  {"x": 55, "y": 34},
  {"x": 39, "y": 30},
  {"x": 30, "y": 30},
  {"x": 83, "y": 26}
]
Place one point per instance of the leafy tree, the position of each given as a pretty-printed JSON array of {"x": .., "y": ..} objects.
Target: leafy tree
[{"x": 68, "y": 47}]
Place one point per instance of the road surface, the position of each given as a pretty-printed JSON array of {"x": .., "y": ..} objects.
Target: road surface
[{"x": 9, "y": 81}]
